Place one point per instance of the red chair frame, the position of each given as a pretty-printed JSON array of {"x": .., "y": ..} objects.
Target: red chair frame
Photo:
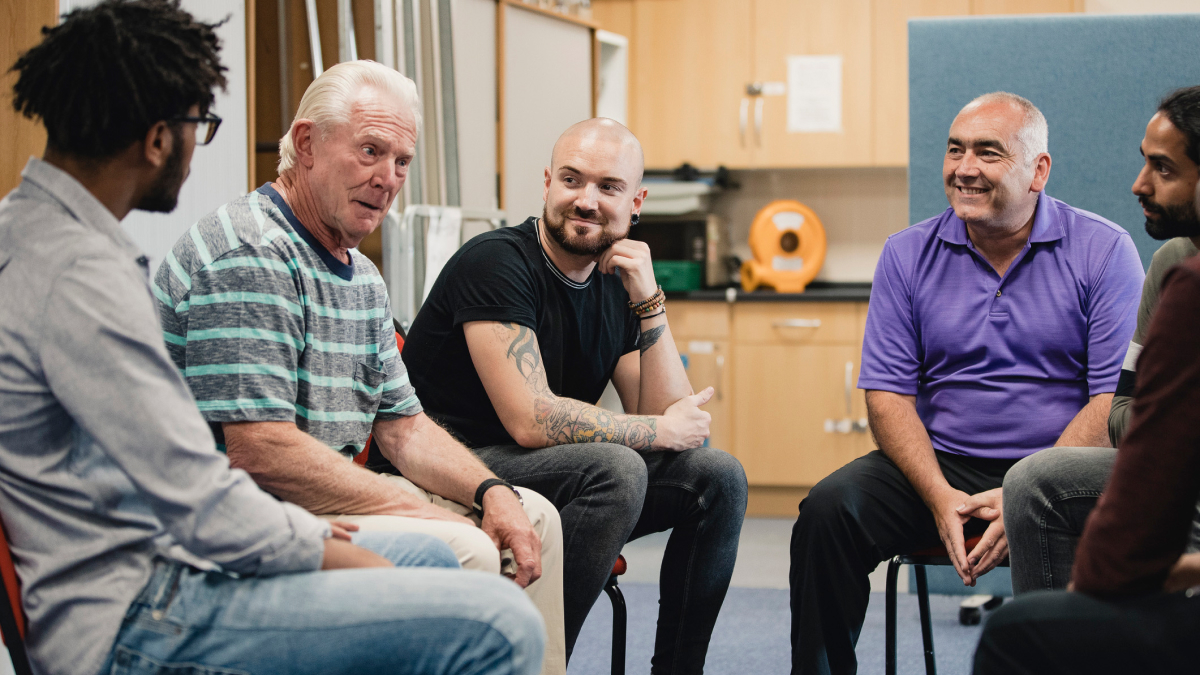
[{"x": 12, "y": 616}]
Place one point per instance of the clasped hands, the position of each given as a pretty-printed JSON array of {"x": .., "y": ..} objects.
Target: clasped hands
[{"x": 951, "y": 510}]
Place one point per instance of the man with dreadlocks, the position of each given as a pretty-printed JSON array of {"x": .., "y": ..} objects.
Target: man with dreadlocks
[{"x": 137, "y": 547}]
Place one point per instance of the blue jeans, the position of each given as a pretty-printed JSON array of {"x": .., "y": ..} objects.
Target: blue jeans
[
  {"x": 1047, "y": 499},
  {"x": 422, "y": 619}
]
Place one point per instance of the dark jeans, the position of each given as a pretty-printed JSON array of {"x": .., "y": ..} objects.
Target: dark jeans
[
  {"x": 1064, "y": 633},
  {"x": 857, "y": 517},
  {"x": 607, "y": 495}
]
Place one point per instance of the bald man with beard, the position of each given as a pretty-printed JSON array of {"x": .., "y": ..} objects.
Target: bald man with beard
[{"x": 520, "y": 335}]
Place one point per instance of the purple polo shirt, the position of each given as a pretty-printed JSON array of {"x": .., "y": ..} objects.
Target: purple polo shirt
[{"x": 1001, "y": 366}]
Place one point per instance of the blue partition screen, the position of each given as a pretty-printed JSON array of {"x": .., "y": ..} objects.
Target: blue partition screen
[{"x": 1097, "y": 79}]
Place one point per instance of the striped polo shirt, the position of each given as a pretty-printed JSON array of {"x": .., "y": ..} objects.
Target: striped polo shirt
[{"x": 267, "y": 326}]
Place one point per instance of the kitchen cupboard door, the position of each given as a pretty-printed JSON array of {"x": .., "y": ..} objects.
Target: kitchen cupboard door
[
  {"x": 785, "y": 397},
  {"x": 784, "y": 28},
  {"x": 20, "y": 137},
  {"x": 708, "y": 366},
  {"x": 889, "y": 71},
  {"x": 691, "y": 63}
]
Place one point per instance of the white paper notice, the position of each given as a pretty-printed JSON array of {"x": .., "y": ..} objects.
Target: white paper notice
[{"x": 814, "y": 101}]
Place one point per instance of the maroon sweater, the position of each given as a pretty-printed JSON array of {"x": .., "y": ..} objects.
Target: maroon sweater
[{"x": 1141, "y": 523}]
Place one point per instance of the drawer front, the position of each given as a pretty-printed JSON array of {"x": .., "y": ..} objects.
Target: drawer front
[
  {"x": 691, "y": 319},
  {"x": 796, "y": 323}
]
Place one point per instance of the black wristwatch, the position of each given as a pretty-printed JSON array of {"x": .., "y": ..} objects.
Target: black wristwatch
[{"x": 486, "y": 485}]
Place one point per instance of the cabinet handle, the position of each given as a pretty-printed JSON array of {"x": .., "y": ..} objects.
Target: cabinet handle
[
  {"x": 758, "y": 114},
  {"x": 849, "y": 386},
  {"x": 797, "y": 323},
  {"x": 744, "y": 119},
  {"x": 720, "y": 376}
]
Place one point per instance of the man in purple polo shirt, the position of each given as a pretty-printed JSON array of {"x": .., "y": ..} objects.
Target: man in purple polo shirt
[{"x": 995, "y": 329}]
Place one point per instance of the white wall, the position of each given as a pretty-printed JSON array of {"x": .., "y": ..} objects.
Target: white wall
[{"x": 219, "y": 169}]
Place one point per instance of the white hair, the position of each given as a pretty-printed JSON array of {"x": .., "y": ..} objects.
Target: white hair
[
  {"x": 328, "y": 100},
  {"x": 1034, "y": 134}
]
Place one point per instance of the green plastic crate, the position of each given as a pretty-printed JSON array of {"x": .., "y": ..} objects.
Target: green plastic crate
[{"x": 678, "y": 275}]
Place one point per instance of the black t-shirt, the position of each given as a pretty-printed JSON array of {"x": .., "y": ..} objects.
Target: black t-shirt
[{"x": 582, "y": 329}]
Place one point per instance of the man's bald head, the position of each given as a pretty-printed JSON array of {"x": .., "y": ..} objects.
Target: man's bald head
[
  {"x": 593, "y": 187},
  {"x": 603, "y": 137}
]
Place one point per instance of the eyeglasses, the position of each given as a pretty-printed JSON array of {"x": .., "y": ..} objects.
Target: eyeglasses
[{"x": 206, "y": 127}]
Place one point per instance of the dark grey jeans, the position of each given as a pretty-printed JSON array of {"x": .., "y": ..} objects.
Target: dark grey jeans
[
  {"x": 607, "y": 495},
  {"x": 1047, "y": 498}
]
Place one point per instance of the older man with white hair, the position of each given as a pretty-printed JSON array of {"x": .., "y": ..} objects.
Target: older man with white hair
[
  {"x": 284, "y": 334},
  {"x": 995, "y": 329}
]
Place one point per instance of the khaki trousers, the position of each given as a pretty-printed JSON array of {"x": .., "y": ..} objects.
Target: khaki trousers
[{"x": 476, "y": 551}]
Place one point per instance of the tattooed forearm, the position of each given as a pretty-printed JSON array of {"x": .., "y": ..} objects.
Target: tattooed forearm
[
  {"x": 650, "y": 337},
  {"x": 566, "y": 420}
]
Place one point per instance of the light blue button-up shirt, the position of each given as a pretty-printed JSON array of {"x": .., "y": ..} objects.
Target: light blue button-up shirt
[{"x": 105, "y": 462}]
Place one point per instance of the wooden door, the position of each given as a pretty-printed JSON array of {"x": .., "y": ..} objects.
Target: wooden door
[
  {"x": 889, "y": 71},
  {"x": 691, "y": 63},
  {"x": 708, "y": 365},
  {"x": 20, "y": 138},
  {"x": 701, "y": 332},
  {"x": 784, "y": 28}
]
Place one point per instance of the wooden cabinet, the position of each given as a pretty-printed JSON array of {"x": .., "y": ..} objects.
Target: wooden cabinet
[
  {"x": 691, "y": 61},
  {"x": 796, "y": 404},
  {"x": 701, "y": 332},
  {"x": 784, "y": 28},
  {"x": 785, "y": 374},
  {"x": 689, "y": 65}
]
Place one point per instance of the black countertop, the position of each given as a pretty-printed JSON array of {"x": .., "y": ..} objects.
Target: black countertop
[{"x": 817, "y": 291}]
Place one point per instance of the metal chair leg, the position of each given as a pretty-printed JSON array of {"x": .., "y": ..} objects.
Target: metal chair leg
[
  {"x": 926, "y": 624},
  {"x": 889, "y": 631},
  {"x": 620, "y": 621}
]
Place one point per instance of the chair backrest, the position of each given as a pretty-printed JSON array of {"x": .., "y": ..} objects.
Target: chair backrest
[
  {"x": 12, "y": 616},
  {"x": 361, "y": 458}
]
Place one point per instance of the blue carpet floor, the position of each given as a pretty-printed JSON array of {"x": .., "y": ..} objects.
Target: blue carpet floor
[{"x": 752, "y": 635}]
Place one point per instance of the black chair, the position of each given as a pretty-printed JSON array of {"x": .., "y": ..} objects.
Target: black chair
[
  {"x": 620, "y": 616},
  {"x": 919, "y": 560}
]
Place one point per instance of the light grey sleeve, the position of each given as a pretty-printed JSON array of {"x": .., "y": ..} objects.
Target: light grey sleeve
[{"x": 104, "y": 359}]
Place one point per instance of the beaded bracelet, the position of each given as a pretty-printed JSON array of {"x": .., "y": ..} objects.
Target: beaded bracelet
[
  {"x": 652, "y": 307},
  {"x": 648, "y": 304}
]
